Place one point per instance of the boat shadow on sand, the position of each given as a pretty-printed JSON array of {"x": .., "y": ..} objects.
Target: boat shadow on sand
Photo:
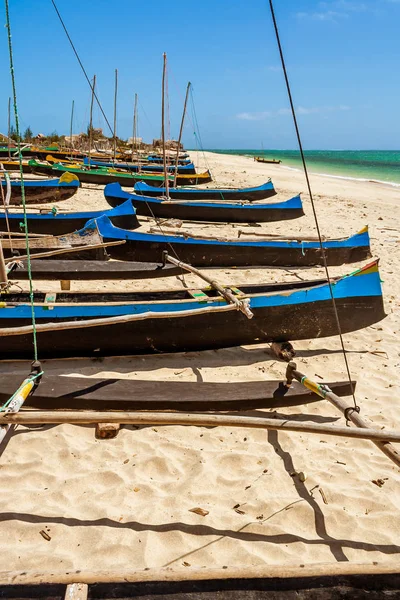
[
  {"x": 322, "y": 538},
  {"x": 225, "y": 357}
]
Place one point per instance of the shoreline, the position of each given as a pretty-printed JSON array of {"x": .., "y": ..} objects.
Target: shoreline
[{"x": 310, "y": 165}]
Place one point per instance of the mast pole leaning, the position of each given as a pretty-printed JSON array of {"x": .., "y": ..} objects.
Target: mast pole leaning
[
  {"x": 163, "y": 126},
  {"x": 9, "y": 129},
  {"x": 134, "y": 126},
  {"x": 115, "y": 114},
  {"x": 72, "y": 120},
  {"x": 91, "y": 118},
  {"x": 180, "y": 132}
]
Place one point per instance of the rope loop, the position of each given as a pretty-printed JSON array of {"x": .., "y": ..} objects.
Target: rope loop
[{"x": 348, "y": 411}]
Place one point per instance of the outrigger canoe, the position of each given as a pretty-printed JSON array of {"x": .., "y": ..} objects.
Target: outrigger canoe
[
  {"x": 109, "y": 324},
  {"x": 206, "y": 210},
  {"x": 266, "y": 190},
  {"x": 217, "y": 252},
  {"x": 103, "y": 175},
  {"x": 43, "y": 190},
  {"x": 56, "y": 222},
  {"x": 188, "y": 169}
]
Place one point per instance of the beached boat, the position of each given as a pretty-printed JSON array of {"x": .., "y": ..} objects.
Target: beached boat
[
  {"x": 56, "y": 222},
  {"x": 106, "y": 323},
  {"x": 273, "y": 161},
  {"x": 188, "y": 169},
  {"x": 85, "y": 244},
  {"x": 217, "y": 252},
  {"x": 129, "y": 394},
  {"x": 103, "y": 175},
  {"x": 43, "y": 190},
  {"x": 90, "y": 270},
  {"x": 266, "y": 190},
  {"x": 206, "y": 210}
]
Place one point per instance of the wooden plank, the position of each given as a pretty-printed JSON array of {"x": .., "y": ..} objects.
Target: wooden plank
[
  {"x": 76, "y": 591},
  {"x": 229, "y": 574},
  {"x": 125, "y": 394},
  {"x": 198, "y": 294},
  {"x": 107, "y": 431}
]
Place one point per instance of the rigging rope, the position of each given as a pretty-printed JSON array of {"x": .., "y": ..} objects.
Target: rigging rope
[
  {"x": 312, "y": 201},
  {"x": 28, "y": 255}
]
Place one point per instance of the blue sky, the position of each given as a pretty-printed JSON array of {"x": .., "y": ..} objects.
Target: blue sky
[{"x": 343, "y": 60}]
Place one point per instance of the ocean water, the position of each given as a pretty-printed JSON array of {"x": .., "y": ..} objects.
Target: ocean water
[{"x": 376, "y": 165}]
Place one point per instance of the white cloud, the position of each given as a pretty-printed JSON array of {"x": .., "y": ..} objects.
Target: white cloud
[
  {"x": 335, "y": 10},
  {"x": 300, "y": 110},
  {"x": 256, "y": 116},
  {"x": 329, "y": 15}
]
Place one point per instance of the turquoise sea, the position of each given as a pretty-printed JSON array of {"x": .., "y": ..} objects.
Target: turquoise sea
[{"x": 377, "y": 165}]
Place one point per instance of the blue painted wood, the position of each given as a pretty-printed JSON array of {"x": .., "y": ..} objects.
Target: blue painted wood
[{"x": 356, "y": 285}]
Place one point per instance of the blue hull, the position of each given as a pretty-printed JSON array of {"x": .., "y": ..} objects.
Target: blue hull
[{"x": 231, "y": 212}]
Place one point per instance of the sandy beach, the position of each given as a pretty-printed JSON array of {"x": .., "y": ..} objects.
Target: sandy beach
[{"x": 126, "y": 503}]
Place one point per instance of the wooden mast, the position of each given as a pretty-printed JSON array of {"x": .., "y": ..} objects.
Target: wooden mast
[
  {"x": 115, "y": 114},
  {"x": 180, "y": 132},
  {"x": 9, "y": 128},
  {"x": 71, "y": 124},
  {"x": 134, "y": 133},
  {"x": 91, "y": 118},
  {"x": 163, "y": 126}
]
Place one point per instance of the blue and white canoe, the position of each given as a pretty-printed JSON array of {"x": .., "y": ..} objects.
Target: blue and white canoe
[
  {"x": 266, "y": 190},
  {"x": 107, "y": 323},
  {"x": 188, "y": 169},
  {"x": 214, "y": 252},
  {"x": 56, "y": 222},
  {"x": 43, "y": 190},
  {"x": 206, "y": 210}
]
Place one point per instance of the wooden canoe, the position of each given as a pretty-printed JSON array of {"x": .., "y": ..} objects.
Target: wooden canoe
[
  {"x": 219, "y": 252},
  {"x": 43, "y": 190},
  {"x": 73, "y": 324},
  {"x": 90, "y": 270},
  {"x": 266, "y": 190},
  {"x": 125, "y": 394},
  {"x": 239, "y": 212},
  {"x": 57, "y": 222}
]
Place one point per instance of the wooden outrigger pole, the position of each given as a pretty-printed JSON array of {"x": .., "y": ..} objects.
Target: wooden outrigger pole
[
  {"x": 115, "y": 114},
  {"x": 351, "y": 413},
  {"x": 91, "y": 118},
  {"x": 163, "y": 126},
  {"x": 180, "y": 132}
]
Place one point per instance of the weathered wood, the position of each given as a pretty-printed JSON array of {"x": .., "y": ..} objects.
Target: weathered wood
[
  {"x": 199, "y": 574},
  {"x": 197, "y": 420},
  {"x": 65, "y": 284},
  {"x": 65, "y": 250},
  {"x": 7, "y": 331},
  {"x": 125, "y": 394},
  {"x": 76, "y": 591},
  {"x": 350, "y": 413},
  {"x": 78, "y": 270},
  {"x": 3, "y": 269},
  {"x": 107, "y": 431},
  {"x": 240, "y": 304},
  {"x": 298, "y": 238},
  {"x": 180, "y": 134}
]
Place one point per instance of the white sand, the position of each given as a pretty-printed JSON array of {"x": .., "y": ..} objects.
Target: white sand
[{"x": 124, "y": 503}]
